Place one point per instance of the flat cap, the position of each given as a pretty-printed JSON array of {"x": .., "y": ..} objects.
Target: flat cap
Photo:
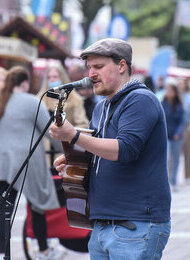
[{"x": 110, "y": 47}]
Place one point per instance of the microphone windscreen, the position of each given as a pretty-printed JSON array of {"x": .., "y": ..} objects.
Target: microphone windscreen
[{"x": 87, "y": 83}]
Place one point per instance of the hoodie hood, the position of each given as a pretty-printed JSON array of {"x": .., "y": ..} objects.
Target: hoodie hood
[{"x": 128, "y": 87}]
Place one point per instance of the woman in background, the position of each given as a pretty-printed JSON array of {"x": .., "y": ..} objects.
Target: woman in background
[
  {"x": 175, "y": 124},
  {"x": 183, "y": 86},
  {"x": 75, "y": 113}
]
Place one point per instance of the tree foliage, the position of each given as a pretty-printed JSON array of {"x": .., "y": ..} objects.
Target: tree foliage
[
  {"x": 150, "y": 18},
  {"x": 157, "y": 19},
  {"x": 183, "y": 45}
]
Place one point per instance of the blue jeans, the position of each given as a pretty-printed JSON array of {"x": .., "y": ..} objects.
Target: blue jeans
[
  {"x": 174, "y": 151},
  {"x": 114, "y": 242}
]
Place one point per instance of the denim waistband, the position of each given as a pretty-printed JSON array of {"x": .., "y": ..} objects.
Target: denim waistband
[{"x": 125, "y": 223}]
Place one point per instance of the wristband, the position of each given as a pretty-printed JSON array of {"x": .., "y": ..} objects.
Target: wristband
[{"x": 75, "y": 138}]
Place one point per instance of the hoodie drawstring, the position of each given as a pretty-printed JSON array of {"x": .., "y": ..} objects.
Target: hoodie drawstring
[{"x": 103, "y": 133}]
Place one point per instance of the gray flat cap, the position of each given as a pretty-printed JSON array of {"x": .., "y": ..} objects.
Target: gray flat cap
[{"x": 110, "y": 47}]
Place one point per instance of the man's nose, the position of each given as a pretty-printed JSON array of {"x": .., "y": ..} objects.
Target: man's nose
[{"x": 92, "y": 73}]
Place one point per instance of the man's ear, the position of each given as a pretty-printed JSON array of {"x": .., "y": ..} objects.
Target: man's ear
[{"x": 122, "y": 66}]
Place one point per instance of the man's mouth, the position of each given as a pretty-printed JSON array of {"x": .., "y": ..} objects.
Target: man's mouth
[{"x": 96, "y": 82}]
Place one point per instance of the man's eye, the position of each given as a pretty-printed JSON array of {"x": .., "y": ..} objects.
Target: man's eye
[{"x": 99, "y": 66}]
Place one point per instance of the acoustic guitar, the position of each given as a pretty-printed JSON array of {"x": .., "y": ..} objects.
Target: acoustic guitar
[{"x": 77, "y": 162}]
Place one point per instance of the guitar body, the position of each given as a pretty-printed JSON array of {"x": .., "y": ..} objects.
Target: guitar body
[{"x": 78, "y": 162}]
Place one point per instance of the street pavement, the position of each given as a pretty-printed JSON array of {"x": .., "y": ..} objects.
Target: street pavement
[
  {"x": 178, "y": 247},
  {"x": 17, "y": 252}
]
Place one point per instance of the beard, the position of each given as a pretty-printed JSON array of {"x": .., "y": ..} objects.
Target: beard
[{"x": 101, "y": 92}]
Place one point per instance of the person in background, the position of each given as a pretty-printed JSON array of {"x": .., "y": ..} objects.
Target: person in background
[
  {"x": 183, "y": 86},
  {"x": 160, "y": 88},
  {"x": 75, "y": 113},
  {"x": 74, "y": 107},
  {"x": 148, "y": 81},
  {"x": 3, "y": 73},
  {"x": 175, "y": 125},
  {"x": 129, "y": 193},
  {"x": 76, "y": 72},
  {"x": 90, "y": 100},
  {"x": 17, "y": 116}
]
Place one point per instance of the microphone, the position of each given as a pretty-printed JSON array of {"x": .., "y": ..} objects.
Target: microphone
[{"x": 83, "y": 83}]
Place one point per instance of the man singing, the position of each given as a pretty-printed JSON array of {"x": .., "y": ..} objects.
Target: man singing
[{"x": 129, "y": 194}]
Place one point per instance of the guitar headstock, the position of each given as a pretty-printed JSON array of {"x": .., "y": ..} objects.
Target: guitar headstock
[{"x": 59, "y": 114}]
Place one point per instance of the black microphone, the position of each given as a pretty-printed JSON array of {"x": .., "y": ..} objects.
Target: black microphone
[{"x": 83, "y": 83}]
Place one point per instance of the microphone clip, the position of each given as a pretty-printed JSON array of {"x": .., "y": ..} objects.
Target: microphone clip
[
  {"x": 63, "y": 94},
  {"x": 53, "y": 94}
]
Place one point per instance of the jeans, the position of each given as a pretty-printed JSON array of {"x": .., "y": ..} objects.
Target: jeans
[
  {"x": 174, "y": 151},
  {"x": 114, "y": 242}
]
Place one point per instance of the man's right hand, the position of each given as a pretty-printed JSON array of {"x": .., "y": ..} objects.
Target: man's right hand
[{"x": 60, "y": 164}]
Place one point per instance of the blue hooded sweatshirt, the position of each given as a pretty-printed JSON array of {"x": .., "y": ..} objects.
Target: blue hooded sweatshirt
[{"x": 135, "y": 187}]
